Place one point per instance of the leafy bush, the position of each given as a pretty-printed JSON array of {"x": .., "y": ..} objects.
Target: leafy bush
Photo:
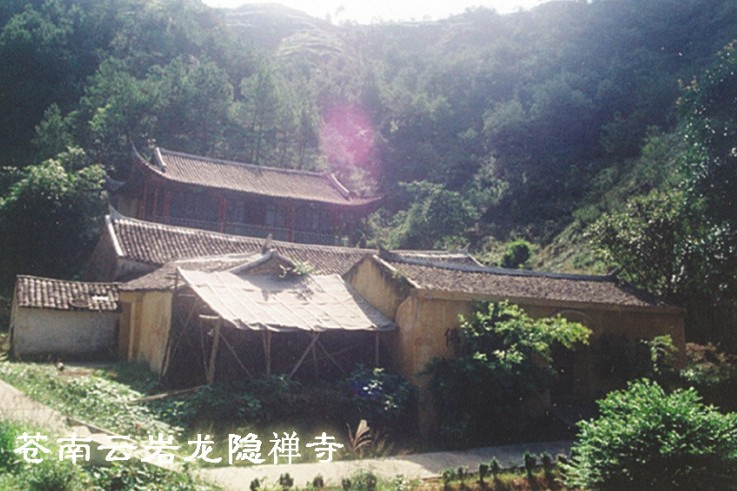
[
  {"x": 504, "y": 362},
  {"x": 662, "y": 353},
  {"x": 517, "y": 253},
  {"x": 381, "y": 398},
  {"x": 132, "y": 475},
  {"x": 645, "y": 438},
  {"x": 713, "y": 374},
  {"x": 53, "y": 475}
]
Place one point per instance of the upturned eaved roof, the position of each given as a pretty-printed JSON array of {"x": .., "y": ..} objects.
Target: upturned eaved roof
[
  {"x": 47, "y": 293},
  {"x": 305, "y": 303},
  {"x": 157, "y": 244},
  {"x": 253, "y": 179},
  {"x": 517, "y": 285}
]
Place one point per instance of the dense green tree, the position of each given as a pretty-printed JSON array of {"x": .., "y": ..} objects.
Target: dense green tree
[
  {"x": 117, "y": 109},
  {"x": 649, "y": 241},
  {"x": 45, "y": 57},
  {"x": 191, "y": 105},
  {"x": 436, "y": 215},
  {"x": 708, "y": 109},
  {"x": 51, "y": 212},
  {"x": 53, "y": 134}
]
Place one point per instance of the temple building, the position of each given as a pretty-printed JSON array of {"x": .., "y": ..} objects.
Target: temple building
[{"x": 242, "y": 199}]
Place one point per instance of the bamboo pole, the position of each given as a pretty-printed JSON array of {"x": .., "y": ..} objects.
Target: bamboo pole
[
  {"x": 170, "y": 350},
  {"x": 267, "y": 351},
  {"x": 376, "y": 350},
  {"x": 314, "y": 359},
  {"x": 330, "y": 357},
  {"x": 214, "y": 353},
  {"x": 314, "y": 335},
  {"x": 235, "y": 355}
]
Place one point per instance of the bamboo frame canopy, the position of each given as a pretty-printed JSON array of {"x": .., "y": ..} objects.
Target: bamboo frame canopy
[{"x": 313, "y": 303}]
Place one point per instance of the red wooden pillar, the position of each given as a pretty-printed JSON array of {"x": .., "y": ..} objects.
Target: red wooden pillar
[
  {"x": 142, "y": 207},
  {"x": 167, "y": 206},
  {"x": 156, "y": 204}
]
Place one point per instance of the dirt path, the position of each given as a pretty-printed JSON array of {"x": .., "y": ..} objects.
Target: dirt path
[
  {"x": 418, "y": 466},
  {"x": 16, "y": 406}
]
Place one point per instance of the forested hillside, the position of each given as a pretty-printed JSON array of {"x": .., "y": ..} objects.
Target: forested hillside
[{"x": 479, "y": 130}]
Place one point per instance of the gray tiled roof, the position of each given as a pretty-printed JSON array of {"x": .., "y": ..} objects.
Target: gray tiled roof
[
  {"x": 158, "y": 244},
  {"x": 48, "y": 293},
  {"x": 517, "y": 284},
  {"x": 252, "y": 179}
]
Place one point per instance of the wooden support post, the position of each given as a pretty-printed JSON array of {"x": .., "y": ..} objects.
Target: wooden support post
[
  {"x": 203, "y": 354},
  {"x": 170, "y": 349},
  {"x": 155, "y": 210},
  {"x": 235, "y": 355},
  {"x": 267, "y": 351},
  {"x": 214, "y": 353},
  {"x": 142, "y": 205},
  {"x": 376, "y": 350},
  {"x": 314, "y": 359},
  {"x": 315, "y": 335},
  {"x": 167, "y": 206},
  {"x": 330, "y": 357}
]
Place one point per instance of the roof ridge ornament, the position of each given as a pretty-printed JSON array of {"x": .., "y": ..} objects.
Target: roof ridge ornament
[
  {"x": 344, "y": 191},
  {"x": 159, "y": 159},
  {"x": 267, "y": 246}
]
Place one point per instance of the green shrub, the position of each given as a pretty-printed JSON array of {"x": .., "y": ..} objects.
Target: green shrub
[
  {"x": 137, "y": 475},
  {"x": 504, "y": 361},
  {"x": 53, "y": 475},
  {"x": 8, "y": 458},
  {"x": 645, "y": 438},
  {"x": 713, "y": 374},
  {"x": 381, "y": 398},
  {"x": 517, "y": 253}
]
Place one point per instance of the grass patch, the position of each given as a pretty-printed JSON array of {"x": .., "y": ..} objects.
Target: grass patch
[
  {"x": 94, "y": 397},
  {"x": 55, "y": 475}
]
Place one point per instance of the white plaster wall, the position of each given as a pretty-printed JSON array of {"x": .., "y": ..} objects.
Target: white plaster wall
[{"x": 60, "y": 332}]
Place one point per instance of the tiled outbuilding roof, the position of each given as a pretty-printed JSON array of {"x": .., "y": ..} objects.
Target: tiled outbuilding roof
[
  {"x": 253, "y": 179},
  {"x": 158, "y": 244},
  {"x": 47, "y": 293},
  {"x": 519, "y": 284}
]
